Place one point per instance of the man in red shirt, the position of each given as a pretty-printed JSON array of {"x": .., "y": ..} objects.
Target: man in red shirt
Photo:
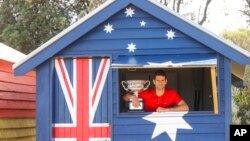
[{"x": 159, "y": 99}]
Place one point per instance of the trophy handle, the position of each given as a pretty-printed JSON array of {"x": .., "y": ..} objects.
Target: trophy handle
[
  {"x": 123, "y": 85},
  {"x": 147, "y": 84}
]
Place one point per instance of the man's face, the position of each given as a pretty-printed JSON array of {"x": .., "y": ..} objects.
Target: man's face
[{"x": 160, "y": 82}]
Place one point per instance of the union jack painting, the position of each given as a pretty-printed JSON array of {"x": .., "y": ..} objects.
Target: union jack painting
[{"x": 80, "y": 107}]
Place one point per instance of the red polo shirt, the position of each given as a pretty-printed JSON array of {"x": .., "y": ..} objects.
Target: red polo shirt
[{"x": 152, "y": 101}]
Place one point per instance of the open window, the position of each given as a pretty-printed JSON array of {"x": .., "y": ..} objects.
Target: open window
[{"x": 193, "y": 76}]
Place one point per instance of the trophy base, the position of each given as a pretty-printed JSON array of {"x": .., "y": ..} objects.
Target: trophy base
[{"x": 132, "y": 108}]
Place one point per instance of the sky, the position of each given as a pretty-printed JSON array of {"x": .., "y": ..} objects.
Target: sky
[{"x": 224, "y": 15}]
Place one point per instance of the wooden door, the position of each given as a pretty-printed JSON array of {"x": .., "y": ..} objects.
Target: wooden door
[{"x": 80, "y": 102}]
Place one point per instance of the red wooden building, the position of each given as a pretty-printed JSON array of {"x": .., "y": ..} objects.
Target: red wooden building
[{"x": 17, "y": 99}]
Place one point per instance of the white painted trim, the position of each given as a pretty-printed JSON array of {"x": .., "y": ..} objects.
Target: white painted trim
[{"x": 9, "y": 54}]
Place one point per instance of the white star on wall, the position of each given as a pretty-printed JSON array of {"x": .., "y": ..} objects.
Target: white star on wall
[
  {"x": 108, "y": 28},
  {"x": 131, "y": 47},
  {"x": 170, "y": 34},
  {"x": 143, "y": 23},
  {"x": 129, "y": 12},
  {"x": 168, "y": 124}
]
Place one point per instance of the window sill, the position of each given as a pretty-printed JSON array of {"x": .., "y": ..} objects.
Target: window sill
[{"x": 168, "y": 114}]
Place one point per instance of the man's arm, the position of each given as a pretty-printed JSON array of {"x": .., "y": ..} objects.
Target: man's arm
[{"x": 181, "y": 106}]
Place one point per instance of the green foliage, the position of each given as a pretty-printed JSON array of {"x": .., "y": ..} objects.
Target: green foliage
[
  {"x": 240, "y": 38},
  {"x": 26, "y": 24},
  {"x": 241, "y": 97},
  {"x": 241, "y": 112}
]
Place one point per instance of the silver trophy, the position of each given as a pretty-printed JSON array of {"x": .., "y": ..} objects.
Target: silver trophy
[{"x": 134, "y": 86}]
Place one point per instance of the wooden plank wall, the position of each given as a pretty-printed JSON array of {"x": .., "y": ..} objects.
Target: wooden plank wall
[{"x": 17, "y": 105}]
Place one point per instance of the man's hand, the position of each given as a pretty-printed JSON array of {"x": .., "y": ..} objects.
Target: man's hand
[{"x": 135, "y": 101}]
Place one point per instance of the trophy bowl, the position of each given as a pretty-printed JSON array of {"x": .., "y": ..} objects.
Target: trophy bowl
[{"x": 135, "y": 86}]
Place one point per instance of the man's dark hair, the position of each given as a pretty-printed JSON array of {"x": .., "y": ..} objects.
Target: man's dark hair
[{"x": 160, "y": 73}]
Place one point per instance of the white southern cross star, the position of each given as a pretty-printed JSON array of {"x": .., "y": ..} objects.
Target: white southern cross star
[
  {"x": 143, "y": 23},
  {"x": 168, "y": 124},
  {"x": 108, "y": 28},
  {"x": 131, "y": 47},
  {"x": 129, "y": 12},
  {"x": 170, "y": 34}
]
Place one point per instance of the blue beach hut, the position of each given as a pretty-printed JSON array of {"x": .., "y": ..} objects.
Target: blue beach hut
[{"x": 79, "y": 72}]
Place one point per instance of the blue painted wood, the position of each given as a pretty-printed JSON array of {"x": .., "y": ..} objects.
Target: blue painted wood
[
  {"x": 220, "y": 83},
  {"x": 115, "y": 93},
  {"x": 228, "y": 97},
  {"x": 141, "y": 44},
  {"x": 137, "y": 11},
  {"x": 139, "y": 52},
  {"x": 60, "y": 109},
  {"x": 164, "y": 137},
  {"x": 137, "y": 33},
  {"x": 133, "y": 23},
  {"x": 43, "y": 102},
  {"x": 192, "y": 118},
  {"x": 201, "y": 125},
  {"x": 149, "y": 128}
]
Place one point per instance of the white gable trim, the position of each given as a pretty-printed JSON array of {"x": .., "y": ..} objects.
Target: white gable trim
[{"x": 9, "y": 54}]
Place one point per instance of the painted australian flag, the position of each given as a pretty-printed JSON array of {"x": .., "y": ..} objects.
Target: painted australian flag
[{"x": 80, "y": 110}]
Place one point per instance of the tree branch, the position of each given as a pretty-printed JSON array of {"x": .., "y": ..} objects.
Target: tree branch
[
  {"x": 204, "y": 18},
  {"x": 178, "y": 5},
  {"x": 174, "y": 5}
]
